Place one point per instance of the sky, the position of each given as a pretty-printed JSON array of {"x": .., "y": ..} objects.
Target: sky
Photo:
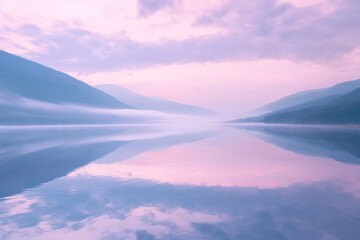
[{"x": 230, "y": 56}]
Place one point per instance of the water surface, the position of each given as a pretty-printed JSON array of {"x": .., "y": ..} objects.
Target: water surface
[{"x": 147, "y": 182}]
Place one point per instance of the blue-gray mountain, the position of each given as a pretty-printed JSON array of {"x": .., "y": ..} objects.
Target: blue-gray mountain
[
  {"x": 339, "y": 104},
  {"x": 22, "y": 78},
  {"x": 31, "y": 93},
  {"x": 310, "y": 97},
  {"x": 152, "y": 103}
]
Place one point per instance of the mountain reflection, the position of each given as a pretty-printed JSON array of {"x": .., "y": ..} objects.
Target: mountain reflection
[
  {"x": 340, "y": 144},
  {"x": 163, "y": 183},
  {"x": 30, "y": 157}
]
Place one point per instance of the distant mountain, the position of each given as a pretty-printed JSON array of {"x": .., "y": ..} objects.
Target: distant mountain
[
  {"x": 309, "y": 96},
  {"x": 341, "y": 110},
  {"x": 348, "y": 114},
  {"x": 23, "y": 78},
  {"x": 337, "y": 105},
  {"x": 152, "y": 103},
  {"x": 31, "y": 93}
]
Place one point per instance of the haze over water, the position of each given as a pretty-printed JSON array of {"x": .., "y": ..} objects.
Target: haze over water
[{"x": 217, "y": 182}]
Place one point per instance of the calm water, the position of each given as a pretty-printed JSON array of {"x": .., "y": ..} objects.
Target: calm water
[{"x": 147, "y": 182}]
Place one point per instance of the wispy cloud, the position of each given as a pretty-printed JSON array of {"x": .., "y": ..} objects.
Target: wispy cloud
[{"x": 321, "y": 33}]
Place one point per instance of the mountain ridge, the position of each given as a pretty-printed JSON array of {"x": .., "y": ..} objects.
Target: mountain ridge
[
  {"x": 339, "y": 104},
  {"x": 28, "y": 79},
  {"x": 152, "y": 103},
  {"x": 308, "y": 96}
]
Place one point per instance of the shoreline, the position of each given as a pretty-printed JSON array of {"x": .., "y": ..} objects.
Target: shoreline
[{"x": 347, "y": 126}]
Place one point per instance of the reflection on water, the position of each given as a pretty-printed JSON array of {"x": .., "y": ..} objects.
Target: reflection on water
[
  {"x": 33, "y": 156},
  {"x": 339, "y": 143},
  {"x": 166, "y": 183}
]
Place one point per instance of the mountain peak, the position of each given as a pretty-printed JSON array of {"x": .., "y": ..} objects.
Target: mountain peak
[
  {"x": 309, "y": 95},
  {"x": 31, "y": 80},
  {"x": 152, "y": 103}
]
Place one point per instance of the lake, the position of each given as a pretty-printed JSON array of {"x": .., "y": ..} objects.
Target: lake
[{"x": 180, "y": 182}]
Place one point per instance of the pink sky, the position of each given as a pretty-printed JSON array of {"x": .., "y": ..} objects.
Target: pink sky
[{"x": 229, "y": 56}]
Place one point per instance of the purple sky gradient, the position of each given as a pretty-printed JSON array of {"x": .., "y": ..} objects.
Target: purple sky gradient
[{"x": 230, "y": 56}]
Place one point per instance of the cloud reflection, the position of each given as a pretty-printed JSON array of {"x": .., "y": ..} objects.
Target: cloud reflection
[{"x": 102, "y": 208}]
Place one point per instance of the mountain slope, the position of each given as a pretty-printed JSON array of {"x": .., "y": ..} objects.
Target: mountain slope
[
  {"x": 351, "y": 97},
  {"x": 343, "y": 109},
  {"x": 307, "y": 97},
  {"x": 23, "y": 78},
  {"x": 152, "y": 103},
  {"x": 337, "y": 105}
]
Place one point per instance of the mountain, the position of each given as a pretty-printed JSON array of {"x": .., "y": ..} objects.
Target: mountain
[
  {"x": 23, "y": 78},
  {"x": 309, "y": 96},
  {"x": 32, "y": 94},
  {"x": 337, "y": 105},
  {"x": 152, "y": 103},
  {"x": 343, "y": 109},
  {"x": 350, "y": 98},
  {"x": 348, "y": 114}
]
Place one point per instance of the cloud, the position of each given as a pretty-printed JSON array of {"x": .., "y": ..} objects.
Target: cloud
[
  {"x": 148, "y": 7},
  {"x": 144, "y": 235},
  {"x": 250, "y": 30},
  {"x": 29, "y": 29},
  {"x": 273, "y": 30}
]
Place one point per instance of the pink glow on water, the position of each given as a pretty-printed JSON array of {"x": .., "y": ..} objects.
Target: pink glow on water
[{"x": 230, "y": 159}]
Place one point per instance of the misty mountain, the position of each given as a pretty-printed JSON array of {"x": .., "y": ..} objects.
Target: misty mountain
[
  {"x": 23, "y": 78},
  {"x": 26, "y": 112},
  {"x": 152, "y": 103},
  {"x": 335, "y": 108},
  {"x": 341, "y": 110},
  {"x": 32, "y": 94},
  {"x": 310, "y": 97}
]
